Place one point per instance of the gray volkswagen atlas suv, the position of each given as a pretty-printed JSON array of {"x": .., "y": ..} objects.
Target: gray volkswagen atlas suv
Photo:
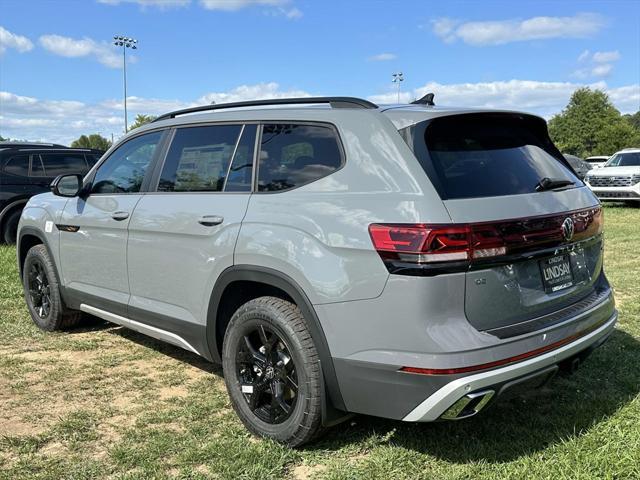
[{"x": 411, "y": 262}]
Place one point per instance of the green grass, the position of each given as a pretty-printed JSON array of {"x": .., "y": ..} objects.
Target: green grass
[{"x": 104, "y": 402}]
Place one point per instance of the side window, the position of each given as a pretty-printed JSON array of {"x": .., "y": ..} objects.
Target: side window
[
  {"x": 239, "y": 178},
  {"x": 124, "y": 170},
  {"x": 63, "y": 163},
  {"x": 293, "y": 155},
  {"x": 17, "y": 165},
  {"x": 198, "y": 159},
  {"x": 92, "y": 159},
  {"x": 37, "y": 168}
]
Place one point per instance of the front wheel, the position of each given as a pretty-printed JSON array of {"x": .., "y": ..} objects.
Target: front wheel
[
  {"x": 272, "y": 371},
  {"x": 41, "y": 291}
]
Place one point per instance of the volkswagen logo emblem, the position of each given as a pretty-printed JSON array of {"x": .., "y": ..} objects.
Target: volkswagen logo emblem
[{"x": 567, "y": 229}]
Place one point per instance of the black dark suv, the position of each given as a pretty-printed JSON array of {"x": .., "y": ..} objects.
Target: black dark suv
[{"x": 27, "y": 169}]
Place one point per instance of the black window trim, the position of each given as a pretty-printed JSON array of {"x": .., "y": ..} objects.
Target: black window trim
[
  {"x": 39, "y": 154},
  {"x": 8, "y": 158},
  {"x": 154, "y": 182},
  {"x": 144, "y": 188},
  {"x": 296, "y": 122},
  {"x": 155, "y": 170}
]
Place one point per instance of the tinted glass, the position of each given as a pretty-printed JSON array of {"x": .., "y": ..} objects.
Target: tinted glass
[
  {"x": 472, "y": 156},
  {"x": 124, "y": 170},
  {"x": 198, "y": 159},
  {"x": 63, "y": 163},
  {"x": 292, "y": 155},
  {"x": 92, "y": 159},
  {"x": 37, "y": 168},
  {"x": 631, "y": 159},
  {"x": 239, "y": 178},
  {"x": 17, "y": 165}
]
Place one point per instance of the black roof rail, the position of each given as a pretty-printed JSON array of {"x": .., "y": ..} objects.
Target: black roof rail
[{"x": 335, "y": 102}]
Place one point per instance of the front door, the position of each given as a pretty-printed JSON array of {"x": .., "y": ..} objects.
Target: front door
[{"x": 93, "y": 227}]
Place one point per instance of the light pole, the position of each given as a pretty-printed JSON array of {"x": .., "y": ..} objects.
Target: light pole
[
  {"x": 397, "y": 78},
  {"x": 125, "y": 42}
]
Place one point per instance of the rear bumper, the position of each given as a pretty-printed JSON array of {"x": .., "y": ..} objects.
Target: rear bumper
[
  {"x": 617, "y": 193},
  {"x": 441, "y": 402}
]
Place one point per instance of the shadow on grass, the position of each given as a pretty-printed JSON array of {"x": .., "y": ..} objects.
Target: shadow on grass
[
  {"x": 514, "y": 427},
  {"x": 167, "y": 349},
  {"x": 511, "y": 428}
]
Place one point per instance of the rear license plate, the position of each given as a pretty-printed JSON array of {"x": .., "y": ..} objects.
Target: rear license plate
[{"x": 556, "y": 273}]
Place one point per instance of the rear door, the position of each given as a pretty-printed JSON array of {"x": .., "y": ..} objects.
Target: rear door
[
  {"x": 93, "y": 227},
  {"x": 182, "y": 236},
  {"x": 487, "y": 169}
]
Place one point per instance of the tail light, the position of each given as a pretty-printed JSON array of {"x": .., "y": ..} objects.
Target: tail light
[{"x": 457, "y": 246}]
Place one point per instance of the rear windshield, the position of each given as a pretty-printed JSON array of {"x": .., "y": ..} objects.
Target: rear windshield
[
  {"x": 631, "y": 159},
  {"x": 487, "y": 155}
]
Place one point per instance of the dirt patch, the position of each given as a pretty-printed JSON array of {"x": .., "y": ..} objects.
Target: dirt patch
[
  {"x": 15, "y": 426},
  {"x": 305, "y": 472}
]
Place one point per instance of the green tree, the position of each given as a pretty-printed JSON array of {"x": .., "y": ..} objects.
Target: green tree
[
  {"x": 141, "y": 120},
  {"x": 591, "y": 125},
  {"x": 94, "y": 140},
  {"x": 634, "y": 119}
]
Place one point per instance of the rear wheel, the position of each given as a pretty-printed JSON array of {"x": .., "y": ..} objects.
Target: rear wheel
[
  {"x": 272, "y": 371},
  {"x": 10, "y": 227},
  {"x": 41, "y": 289}
]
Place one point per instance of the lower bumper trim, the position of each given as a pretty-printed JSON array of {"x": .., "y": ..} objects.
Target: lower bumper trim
[{"x": 447, "y": 396}]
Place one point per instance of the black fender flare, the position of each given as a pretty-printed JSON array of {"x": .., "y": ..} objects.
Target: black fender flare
[{"x": 285, "y": 283}]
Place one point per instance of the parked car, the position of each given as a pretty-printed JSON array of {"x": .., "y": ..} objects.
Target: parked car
[
  {"x": 27, "y": 169},
  {"x": 337, "y": 257},
  {"x": 619, "y": 179},
  {"x": 597, "y": 161},
  {"x": 579, "y": 166}
]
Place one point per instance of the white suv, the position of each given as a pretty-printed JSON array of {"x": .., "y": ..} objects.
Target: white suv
[{"x": 619, "y": 179}]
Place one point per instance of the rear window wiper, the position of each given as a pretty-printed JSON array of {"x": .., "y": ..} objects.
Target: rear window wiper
[{"x": 547, "y": 183}]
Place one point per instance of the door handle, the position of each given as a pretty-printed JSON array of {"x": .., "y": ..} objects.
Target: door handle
[
  {"x": 119, "y": 216},
  {"x": 210, "y": 220}
]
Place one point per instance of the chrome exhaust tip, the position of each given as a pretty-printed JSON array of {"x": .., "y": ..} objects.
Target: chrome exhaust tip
[{"x": 468, "y": 406}]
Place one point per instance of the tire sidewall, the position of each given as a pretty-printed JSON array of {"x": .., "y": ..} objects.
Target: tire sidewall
[
  {"x": 245, "y": 320},
  {"x": 40, "y": 255},
  {"x": 10, "y": 227}
]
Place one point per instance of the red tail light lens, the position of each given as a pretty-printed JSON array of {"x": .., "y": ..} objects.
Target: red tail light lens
[{"x": 426, "y": 243}]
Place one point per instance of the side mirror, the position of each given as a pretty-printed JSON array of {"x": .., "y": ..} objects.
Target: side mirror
[{"x": 67, "y": 185}]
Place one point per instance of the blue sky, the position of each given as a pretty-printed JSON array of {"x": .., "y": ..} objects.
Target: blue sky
[{"x": 60, "y": 76}]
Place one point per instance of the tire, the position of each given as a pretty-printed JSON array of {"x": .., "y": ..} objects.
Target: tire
[
  {"x": 42, "y": 292},
  {"x": 10, "y": 227},
  {"x": 279, "y": 327}
]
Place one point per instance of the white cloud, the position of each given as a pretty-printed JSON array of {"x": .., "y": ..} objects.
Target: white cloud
[
  {"x": 233, "y": 5},
  {"x": 584, "y": 56},
  {"x": 12, "y": 40},
  {"x": 62, "y": 121},
  {"x": 542, "y": 98},
  {"x": 103, "y": 52},
  {"x": 600, "y": 64},
  {"x": 251, "y": 92},
  {"x": 506, "y": 31},
  {"x": 606, "y": 57},
  {"x": 383, "y": 57},
  {"x": 162, "y": 4}
]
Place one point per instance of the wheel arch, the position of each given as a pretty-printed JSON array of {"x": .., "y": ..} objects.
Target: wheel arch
[
  {"x": 274, "y": 279},
  {"x": 10, "y": 208}
]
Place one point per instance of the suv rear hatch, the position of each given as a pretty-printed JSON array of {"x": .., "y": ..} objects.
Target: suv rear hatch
[{"x": 531, "y": 248}]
